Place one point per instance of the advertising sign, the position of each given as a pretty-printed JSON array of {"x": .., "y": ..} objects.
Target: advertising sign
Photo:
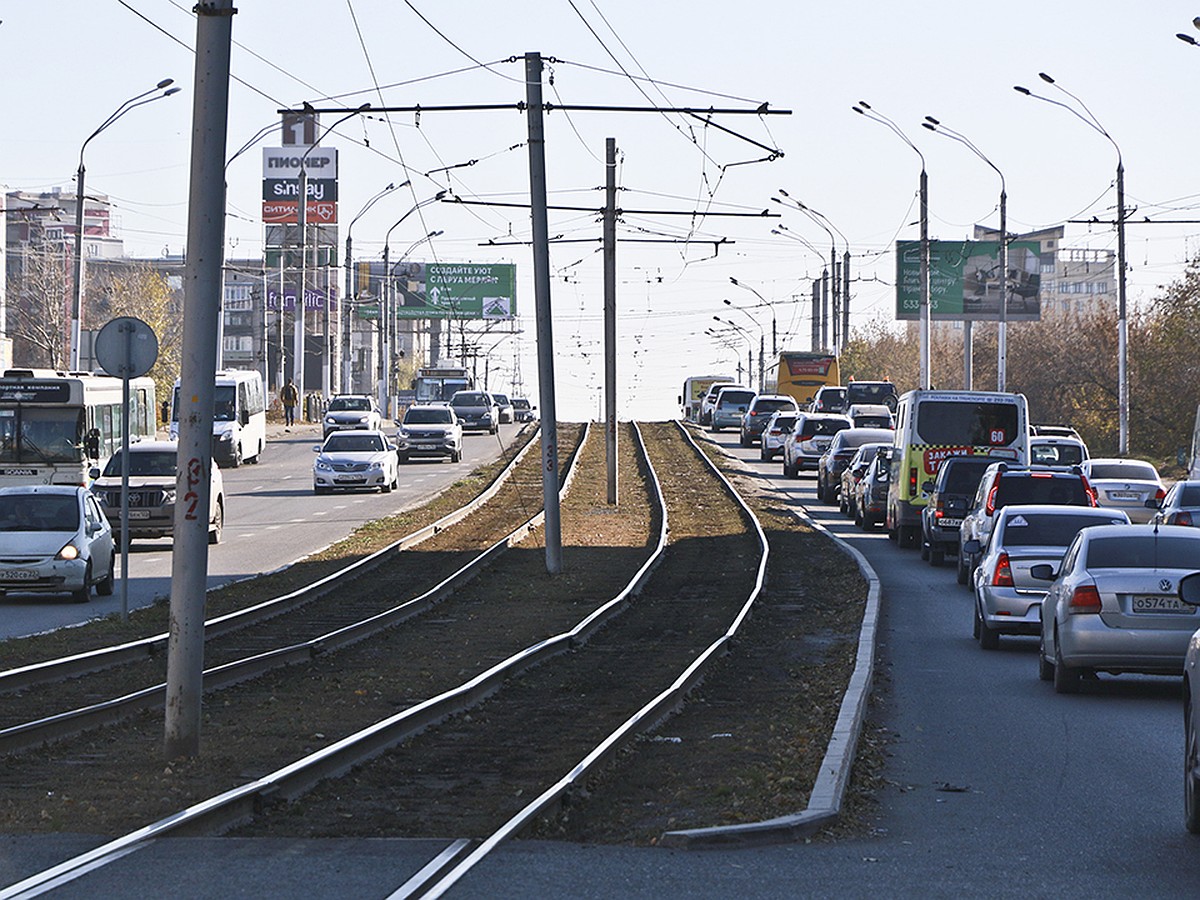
[
  {"x": 313, "y": 299},
  {"x": 449, "y": 290},
  {"x": 286, "y": 212},
  {"x": 289, "y": 188},
  {"x": 284, "y": 162},
  {"x": 964, "y": 280}
]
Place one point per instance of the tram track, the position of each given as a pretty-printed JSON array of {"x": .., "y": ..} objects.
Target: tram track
[
  {"x": 346, "y": 606},
  {"x": 626, "y": 677}
]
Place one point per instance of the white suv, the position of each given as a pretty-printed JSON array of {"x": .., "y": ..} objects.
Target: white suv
[{"x": 429, "y": 430}]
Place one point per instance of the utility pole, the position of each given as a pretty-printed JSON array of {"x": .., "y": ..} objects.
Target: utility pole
[
  {"x": 610, "y": 314},
  {"x": 816, "y": 314},
  {"x": 845, "y": 297},
  {"x": 298, "y": 310},
  {"x": 202, "y": 286},
  {"x": 541, "y": 290}
]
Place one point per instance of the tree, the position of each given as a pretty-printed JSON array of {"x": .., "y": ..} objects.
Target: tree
[
  {"x": 40, "y": 305},
  {"x": 139, "y": 290}
]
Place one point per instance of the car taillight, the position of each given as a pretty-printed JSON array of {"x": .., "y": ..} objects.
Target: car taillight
[
  {"x": 1181, "y": 518},
  {"x": 912, "y": 481},
  {"x": 990, "y": 506},
  {"x": 1090, "y": 492},
  {"x": 1002, "y": 577},
  {"x": 1160, "y": 494},
  {"x": 1085, "y": 599}
]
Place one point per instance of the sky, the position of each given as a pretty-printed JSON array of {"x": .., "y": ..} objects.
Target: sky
[{"x": 76, "y": 61}]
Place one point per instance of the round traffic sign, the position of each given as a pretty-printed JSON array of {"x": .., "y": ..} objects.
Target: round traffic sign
[{"x": 126, "y": 347}]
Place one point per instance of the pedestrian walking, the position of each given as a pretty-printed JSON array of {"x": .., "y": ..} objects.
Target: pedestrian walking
[{"x": 289, "y": 396}]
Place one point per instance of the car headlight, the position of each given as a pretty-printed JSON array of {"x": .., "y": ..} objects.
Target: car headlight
[
  {"x": 363, "y": 420},
  {"x": 322, "y": 466},
  {"x": 330, "y": 420},
  {"x": 70, "y": 551},
  {"x": 376, "y": 466}
]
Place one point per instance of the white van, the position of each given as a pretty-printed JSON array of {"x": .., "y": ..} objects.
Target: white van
[{"x": 239, "y": 417}]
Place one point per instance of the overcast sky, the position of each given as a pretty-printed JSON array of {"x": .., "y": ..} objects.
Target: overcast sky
[{"x": 68, "y": 64}]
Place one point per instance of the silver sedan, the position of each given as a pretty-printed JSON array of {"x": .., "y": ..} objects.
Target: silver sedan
[
  {"x": 1008, "y": 599},
  {"x": 1114, "y": 607},
  {"x": 1128, "y": 484}
]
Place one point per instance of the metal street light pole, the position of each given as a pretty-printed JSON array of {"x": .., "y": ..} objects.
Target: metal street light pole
[
  {"x": 351, "y": 282},
  {"x": 1122, "y": 332},
  {"x": 762, "y": 382},
  {"x": 749, "y": 349},
  {"x": 770, "y": 305},
  {"x": 77, "y": 298},
  {"x": 840, "y": 287},
  {"x": 391, "y": 274},
  {"x": 385, "y": 313},
  {"x": 1002, "y": 334},
  {"x": 864, "y": 109}
]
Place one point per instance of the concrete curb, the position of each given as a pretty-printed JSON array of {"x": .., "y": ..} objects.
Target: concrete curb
[{"x": 829, "y": 790}]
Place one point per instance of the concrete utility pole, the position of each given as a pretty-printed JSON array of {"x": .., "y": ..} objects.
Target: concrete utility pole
[
  {"x": 610, "y": 314},
  {"x": 816, "y": 314},
  {"x": 202, "y": 306},
  {"x": 298, "y": 309},
  {"x": 541, "y": 290}
]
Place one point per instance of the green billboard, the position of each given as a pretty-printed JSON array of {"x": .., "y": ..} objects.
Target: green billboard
[{"x": 964, "y": 280}]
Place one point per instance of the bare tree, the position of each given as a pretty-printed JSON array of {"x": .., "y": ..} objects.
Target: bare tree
[
  {"x": 140, "y": 290},
  {"x": 40, "y": 305}
]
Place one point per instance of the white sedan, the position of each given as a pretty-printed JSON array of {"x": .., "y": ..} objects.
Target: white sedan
[
  {"x": 1189, "y": 592},
  {"x": 54, "y": 539},
  {"x": 355, "y": 459}
]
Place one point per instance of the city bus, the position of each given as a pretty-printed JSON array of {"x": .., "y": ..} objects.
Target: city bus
[
  {"x": 934, "y": 425},
  {"x": 800, "y": 374},
  {"x": 437, "y": 384},
  {"x": 55, "y": 428}
]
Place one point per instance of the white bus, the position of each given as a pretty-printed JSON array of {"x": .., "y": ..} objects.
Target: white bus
[
  {"x": 239, "y": 417},
  {"x": 56, "y": 427}
]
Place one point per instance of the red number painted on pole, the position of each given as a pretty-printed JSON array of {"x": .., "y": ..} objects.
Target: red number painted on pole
[{"x": 191, "y": 498}]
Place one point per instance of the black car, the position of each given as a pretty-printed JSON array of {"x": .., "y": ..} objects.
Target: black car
[
  {"x": 949, "y": 498},
  {"x": 872, "y": 392},
  {"x": 838, "y": 455}
]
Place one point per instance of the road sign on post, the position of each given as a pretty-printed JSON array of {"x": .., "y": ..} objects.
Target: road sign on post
[{"x": 128, "y": 348}]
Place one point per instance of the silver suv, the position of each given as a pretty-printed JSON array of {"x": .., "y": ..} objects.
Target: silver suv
[
  {"x": 347, "y": 412},
  {"x": 429, "y": 430},
  {"x": 476, "y": 409}
]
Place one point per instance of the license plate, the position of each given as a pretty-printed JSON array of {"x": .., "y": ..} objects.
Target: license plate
[
  {"x": 139, "y": 514},
  {"x": 1123, "y": 495},
  {"x": 1160, "y": 605},
  {"x": 18, "y": 575},
  {"x": 349, "y": 479},
  {"x": 947, "y": 523}
]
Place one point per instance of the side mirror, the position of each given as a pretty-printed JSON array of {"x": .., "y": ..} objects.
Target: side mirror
[
  {"x": 93, "y": 473},
  {"x": 972, "y": 546},
  {"x": 927, "y": 487},
  {"x": 317, "y": 449},
  {"x": 1043, "y": 572},
  {"x": 1189, "y": 589},
  {"x": 1154, "y": 503}
]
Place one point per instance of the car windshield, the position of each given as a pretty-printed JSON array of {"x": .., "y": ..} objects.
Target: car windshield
[
  {"x": 1144, "y": 552},
  {"x": 427, "y": 416},
  {"x": 735, "y": 398},
  {"x": 1124, "y": 471},
  {"x": 784, "y": 423},
  {"x": 39, "y": 512},
  {"x": 468, "y": 400},
  {"x": 866, "y": 392},
  {"x": 953, "y": 424},
  {"x": 150, "y": 462},
  {"x": 520, "y": 404},
  {"x": 1055, "y": 454},
  {"x": 772, "y": 405},
  {"x": 353, "y": 443},
  {"x": 341, "y": 404},
  {"x": 500, "y": 399},
  {"x": 1024, "y": 529},
  {"x": 814, "y": 427}
]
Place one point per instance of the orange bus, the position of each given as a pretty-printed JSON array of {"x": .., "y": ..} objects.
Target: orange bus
[{"x": 801, "y": 374}]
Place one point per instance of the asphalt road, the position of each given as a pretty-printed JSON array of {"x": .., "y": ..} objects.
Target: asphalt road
[
  {"x": 995, "y": 787},
  {"x": 272, "y": 519}
]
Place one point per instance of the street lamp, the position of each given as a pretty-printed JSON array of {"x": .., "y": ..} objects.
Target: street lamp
[
  {"x": 391, "y": 274},
  {"x": 769, "y": 305},
  {"x": 77, "y": 299},
  {"x": 1002, "y": 333},
  {"x": 864, "y": 109},
  {"x": 351, "y": 281},
  {"x": 724, "y": 339},
  {"x": 1122, "y": 333},
  {"x": 841, "y": 287},
  {"x": 749, "y": 349},
  {"x": 385, "y": 316},
  {"x": 762, "y": 384}
]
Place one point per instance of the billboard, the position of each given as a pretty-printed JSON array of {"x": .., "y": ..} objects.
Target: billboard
[
  {"x": 445, "y": 290},
  {"x": 281, "y": 184},
  {"x": 964, "y": 280}
]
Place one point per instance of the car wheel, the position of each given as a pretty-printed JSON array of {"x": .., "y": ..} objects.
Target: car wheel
[
  {"x": 924, "y": 548},
  {"x": 1191, "y": 785},
  {"x": 237, "y": 455},
  {"x": 104, "y": 587},
  {"x": 743, "y": 440},
  {"x": 989, "y": 638},
  {"x": 1045, "y": 667},
  {"x": 906, "y": 536},
  {"x": 492, "y": 430},
  {"x": 867, "y": 521},
  {"x": 961, "y": 572},
  {"x": 763, "y": 455},
  {"x": 1066, "y": 680},
  {"x": 218, "y": 524},
  {"x": 975, "y": 622},
  {"x": 456, "y": 456},
  {"x": 858, "y": 515},
  {"x": 321, "y": 490},
  {"x": 401, "y": 459},
  {"x": 937, "y": 555},
  {"x": 84, "y": 594}
]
